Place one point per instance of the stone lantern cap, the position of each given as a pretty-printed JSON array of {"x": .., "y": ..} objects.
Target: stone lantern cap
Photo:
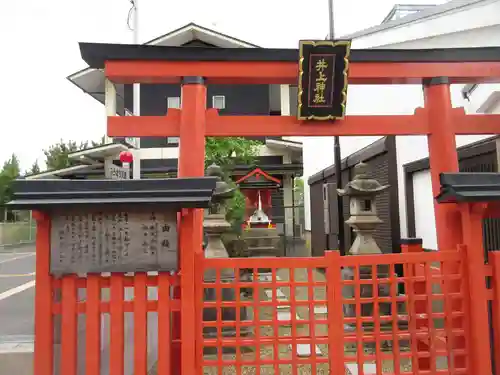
[
  {"x": 361, "y": 184},
  {"x": 222, "y": 191}
]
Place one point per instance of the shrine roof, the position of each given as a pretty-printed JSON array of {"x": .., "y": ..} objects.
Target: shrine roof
[
  {"x": 158, "y": 168},
  {"x": 82, "y": 169},
  {"x": 96, "y": 54},
  {"x": 91, "y": 81},
  {"x": 91, "y": 160},
  {"x": 469, "y": 187},
  {"x": 258, "y": 178},
  {"x": 171, "y": 192}
]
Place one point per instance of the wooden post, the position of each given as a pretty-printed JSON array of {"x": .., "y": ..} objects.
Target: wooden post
[
  {"x": 191, "y": 164},
  {"x": 479, "y": 336},
  {"x": 335, "y": 316},
  {"x": 442, "y": 157},
  {"x": 44, "y": 328}
]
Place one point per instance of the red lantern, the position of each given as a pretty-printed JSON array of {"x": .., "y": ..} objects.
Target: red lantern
[{"x": 126, "y": 158}]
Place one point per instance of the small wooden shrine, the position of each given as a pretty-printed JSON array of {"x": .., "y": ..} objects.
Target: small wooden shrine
[
  {"x": 257, "y": 187},
  {"x": 260, "y": 233}
]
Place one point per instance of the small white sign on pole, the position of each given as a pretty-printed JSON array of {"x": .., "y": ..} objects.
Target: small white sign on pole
[{"x": 118, "y": 173}]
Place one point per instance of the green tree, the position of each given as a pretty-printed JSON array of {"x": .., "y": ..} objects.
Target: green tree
[
  {"x": 56, "y": 156},
  {"x": 100, "y": 142},
  {"x": 10, "y": 171},
  {"x": 228, "y": 152},
  {"x": 34, "y": 169}
]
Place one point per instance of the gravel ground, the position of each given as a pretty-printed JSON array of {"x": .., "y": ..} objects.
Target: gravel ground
[{"x": 285, "y": 351}]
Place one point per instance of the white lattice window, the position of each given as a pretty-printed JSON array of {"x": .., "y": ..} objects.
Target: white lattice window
[
  {"x": 219, "y": 102},
  {"x": 174, "y": 102},
  {"x": 173, "y": 140}
]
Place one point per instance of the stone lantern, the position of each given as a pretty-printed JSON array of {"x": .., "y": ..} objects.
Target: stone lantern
[
  {"x": 362, "y": 192},
  {"x": 214, "y": 225}
]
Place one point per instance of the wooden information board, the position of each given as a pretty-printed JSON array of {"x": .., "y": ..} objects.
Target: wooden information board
[{"x": 113, "y": 242}]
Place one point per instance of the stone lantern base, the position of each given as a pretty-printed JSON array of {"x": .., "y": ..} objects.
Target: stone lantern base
[{"x": 367, "y": 291}]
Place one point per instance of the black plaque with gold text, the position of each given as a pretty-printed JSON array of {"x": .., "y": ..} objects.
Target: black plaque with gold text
[{"x": 322, "y": 86}]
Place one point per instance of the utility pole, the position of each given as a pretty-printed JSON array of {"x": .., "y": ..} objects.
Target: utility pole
[
  {"x": 337, "y": 156},
  {"x": 136, "y": 168}
]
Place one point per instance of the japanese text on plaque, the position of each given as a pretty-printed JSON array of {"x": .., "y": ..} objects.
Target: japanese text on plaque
[
  {"x": 321, "y": 80},
  {"x": 113, "y": 242}
]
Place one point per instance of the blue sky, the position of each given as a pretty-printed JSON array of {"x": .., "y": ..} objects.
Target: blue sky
[{"x": 39, "y": 49}]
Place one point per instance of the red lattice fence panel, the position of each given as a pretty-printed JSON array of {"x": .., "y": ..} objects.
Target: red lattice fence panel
[
  {"x": 274, "y": 326},
  {"x": 410, "y": 332},
  {"x": 300, "y": 315}
]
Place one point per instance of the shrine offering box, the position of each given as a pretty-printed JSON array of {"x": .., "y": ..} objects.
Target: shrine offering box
[{"x": 113, "y": 225}]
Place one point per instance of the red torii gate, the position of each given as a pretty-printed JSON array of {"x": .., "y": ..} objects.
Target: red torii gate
[
  {"x": 435, "y": 69},
  {"x": 194, "y": 68}
]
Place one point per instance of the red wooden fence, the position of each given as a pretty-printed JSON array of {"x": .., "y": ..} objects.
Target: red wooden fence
[
  {"x": 288, "y": 318},
  {"x": 94, "y": 307},
  {"x": 303, "y": 327}
]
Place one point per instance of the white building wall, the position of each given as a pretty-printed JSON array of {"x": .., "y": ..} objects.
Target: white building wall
[
  {"x": 465, "y": 27},
  {"x": 425, "y": 227}
]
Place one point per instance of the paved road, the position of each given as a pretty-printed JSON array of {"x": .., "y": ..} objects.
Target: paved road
[{"x": 17, "y": 293}]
